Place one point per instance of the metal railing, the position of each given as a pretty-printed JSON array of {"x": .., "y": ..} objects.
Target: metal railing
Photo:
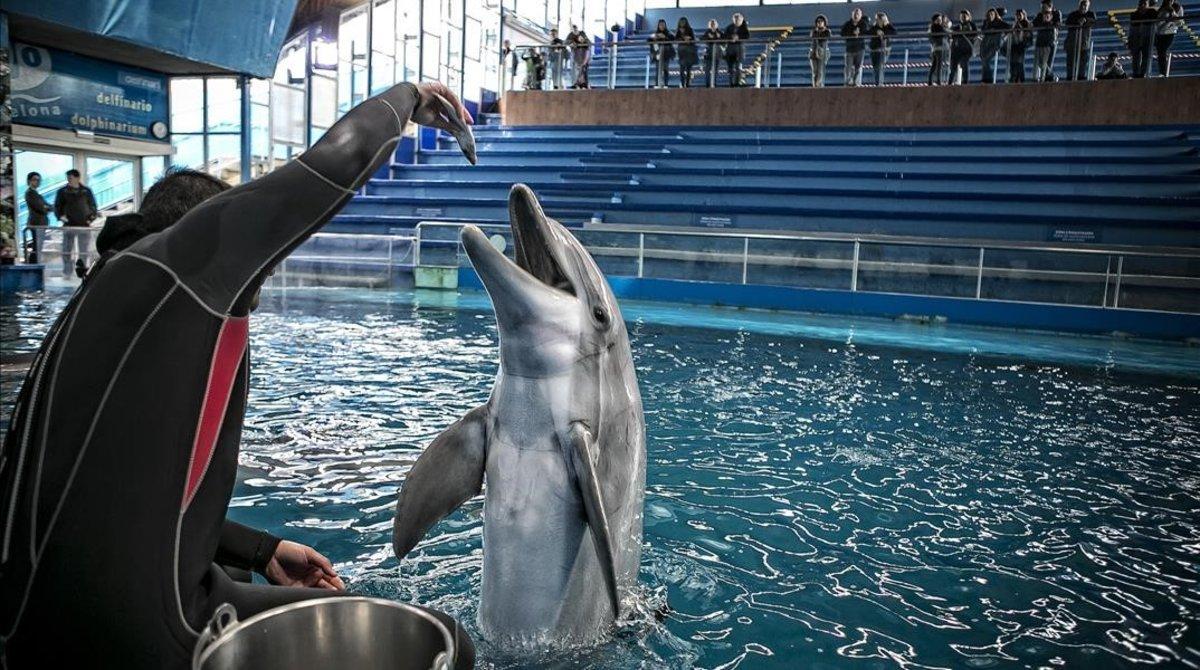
[
  {"x": 1008, "y": 55},
  {"x": 1116, "y": 278}
]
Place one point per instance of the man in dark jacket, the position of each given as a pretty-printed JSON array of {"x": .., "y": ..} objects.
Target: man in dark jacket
[
  {"x": 1142, "y": 25},
  {"x": 39, "y": 213},
  {"x": 962, "y": 47},
  {"x": 735, "y": 51},
  {"x": 854, "y": 30},
  {"x": 76, "y": 207},
  {"x": 122, "y": 452},
  {"x": 1045, "y": 41},
  {"x": 1079, "y": 41}
]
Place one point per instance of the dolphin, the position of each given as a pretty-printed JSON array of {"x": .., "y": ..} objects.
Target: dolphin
[{"x": 561, "y": 443}]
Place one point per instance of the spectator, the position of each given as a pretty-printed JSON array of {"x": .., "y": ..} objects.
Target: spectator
[
  {"x": 939, "y": 46},
  {"x": 736, "y": 32},
  {"x": 962, "y": 47},
  {"x": 1044, "y": 40},
  {"x": 1112, "y": 68},
  {"x": 854, "y": 30},
  {"x": 1170, "y": 20},
  {"x": 661, "y": 52},
  {"x": 557, "y": 55},
  {"x": 881, "y": 44},
  {"x": 39, "y": 213},
  {"x": 1079, "y": 41},
  {"x": 818, "y": 52},
  {"x": 995, "y": 31},
  {"x": 508, "y": 60},
  {"x": 712, "y": 51},
  {"x": 686, "y": 50},
  {"x": 581, "y": 55},
  {"x": 1018, "y": 44},
  {"x": 1057, "y": 20},
  {"x": 535, "y": 69},
  {"x": 1141, "y": 36},
  {"x": 75, "y": 207}
]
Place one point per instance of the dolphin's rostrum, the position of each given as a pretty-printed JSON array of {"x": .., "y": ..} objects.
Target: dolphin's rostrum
[{"x": 561, "y": 443}]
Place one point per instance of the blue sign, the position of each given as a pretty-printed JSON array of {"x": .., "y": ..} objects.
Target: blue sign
[{"x": 60, "y": 89}]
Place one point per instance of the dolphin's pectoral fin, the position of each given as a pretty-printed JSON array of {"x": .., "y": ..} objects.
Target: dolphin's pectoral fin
[
  {"x": 447, "y": 474},
  {"x": 584, "y": 457}
]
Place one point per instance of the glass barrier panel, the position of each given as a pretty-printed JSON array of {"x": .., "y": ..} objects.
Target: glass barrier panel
[
  {"x": 1059, "y": 277},
  {"x": 1158, "y": 282},
  {"x": 918, "y": 270},
  {"x": 616, "y": 253},
  {"x": 802, "y": 263},
  {"x": 344, "y": 260},
  {"x": 693, "y": 258}
]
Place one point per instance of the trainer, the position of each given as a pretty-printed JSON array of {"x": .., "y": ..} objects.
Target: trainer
[{"x": 121, "y": 454}]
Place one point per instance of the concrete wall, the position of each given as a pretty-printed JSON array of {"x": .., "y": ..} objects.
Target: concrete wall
[{"x": 1097, "y": 103}]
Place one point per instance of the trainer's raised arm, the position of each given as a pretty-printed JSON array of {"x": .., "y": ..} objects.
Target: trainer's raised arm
[{"x": 224, "y": 249}]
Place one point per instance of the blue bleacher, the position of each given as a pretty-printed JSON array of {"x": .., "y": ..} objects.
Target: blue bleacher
[{"x": 1137, "y": 186}]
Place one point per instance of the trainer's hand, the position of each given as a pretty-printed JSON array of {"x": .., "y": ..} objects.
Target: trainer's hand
[
  {"x": 440, "y": 108},
  {"x": 297, "y": 565}
]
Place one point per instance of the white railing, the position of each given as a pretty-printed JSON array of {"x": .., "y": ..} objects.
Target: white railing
[{"x": 750, "y": 252}]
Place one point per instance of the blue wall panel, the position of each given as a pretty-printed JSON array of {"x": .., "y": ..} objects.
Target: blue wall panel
[
  {"x": 240, "y": 35},
  {"x": 1033, "y": 316}
]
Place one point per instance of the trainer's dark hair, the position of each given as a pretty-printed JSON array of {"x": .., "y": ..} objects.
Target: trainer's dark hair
[
  {"x": 175, "y": 194},
  {"x": 168, "y": 200},
  {"x": 29, "y": 177},
  {"x": 72, "y": 172}
]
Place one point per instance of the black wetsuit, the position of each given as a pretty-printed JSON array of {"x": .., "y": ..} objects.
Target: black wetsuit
[{"x": 122, "y": 451}]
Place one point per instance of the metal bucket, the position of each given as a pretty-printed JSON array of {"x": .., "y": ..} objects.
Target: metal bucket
[{"x": 350, "y": 632}]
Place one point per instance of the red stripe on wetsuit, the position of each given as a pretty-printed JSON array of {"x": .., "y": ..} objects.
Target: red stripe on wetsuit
[{"x": 227, "y": 356}]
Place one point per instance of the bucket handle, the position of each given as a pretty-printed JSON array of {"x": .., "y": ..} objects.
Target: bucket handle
[{"x": 223, "y": 618}]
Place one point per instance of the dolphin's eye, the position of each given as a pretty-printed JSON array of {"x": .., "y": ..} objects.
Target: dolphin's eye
[{"x": 600, "y": 315}]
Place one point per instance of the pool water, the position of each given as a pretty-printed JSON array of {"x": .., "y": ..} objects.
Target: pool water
[{"x": 822, "y": 492}]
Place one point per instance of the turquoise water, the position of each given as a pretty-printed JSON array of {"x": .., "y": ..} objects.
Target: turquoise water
[{"x": 822, "y": 492}]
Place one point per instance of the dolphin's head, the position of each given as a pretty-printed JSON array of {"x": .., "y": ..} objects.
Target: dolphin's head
[{"x": 553, "y": 307}]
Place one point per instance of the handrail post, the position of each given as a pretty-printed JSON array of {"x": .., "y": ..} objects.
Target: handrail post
[
  {"x": 745, "y": 257},
  {"x": 641, "y": 254},
  {"x": 854, "y": 269},
  {"x": 979, "y": 276},
  {"x": 417, "y": 246},
  {"x": 1107, "y": 274},
  {"x": 904, "y": 81},
  {"x": 1117, "y": 285},
  {"x": 779, "y": 70},
  {"x": 647, "y": 72},
  {"x": 612, "y": 67}
]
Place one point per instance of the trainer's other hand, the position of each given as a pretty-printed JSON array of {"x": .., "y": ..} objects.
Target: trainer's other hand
[{"x": 295, "y": 564}]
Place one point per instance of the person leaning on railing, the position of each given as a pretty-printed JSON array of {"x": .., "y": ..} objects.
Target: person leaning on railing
[
  {"x": 1045, "y": 38},
  {"x": 686, "y": 51},
  {"x": 712, "y": 51},
  {"x": 1170, "y": 20},
  {"x": 661, "y": 52},
  {"x": 735, "y": 51},
  {"x": 1018, "y": 44},
  {"x": 995, "y": 32},
  {"x": 1079, "y": 41},
  {"x": 854, "y": 30},
  {"x": 818, "y": 53},
  {"x": 581, "y": 55},
  {"x": 939, "y": 48},
  {"x": 881, "y": 31},
  {"x": 1141, "y": 36},
  {"x": 963, "y": 46},
  {"x": 557, "y": 54}
]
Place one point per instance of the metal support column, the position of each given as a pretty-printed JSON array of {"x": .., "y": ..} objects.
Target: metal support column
[
  {"x": 854, "y": 269},
  {"x": 247, "y": 130}
]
